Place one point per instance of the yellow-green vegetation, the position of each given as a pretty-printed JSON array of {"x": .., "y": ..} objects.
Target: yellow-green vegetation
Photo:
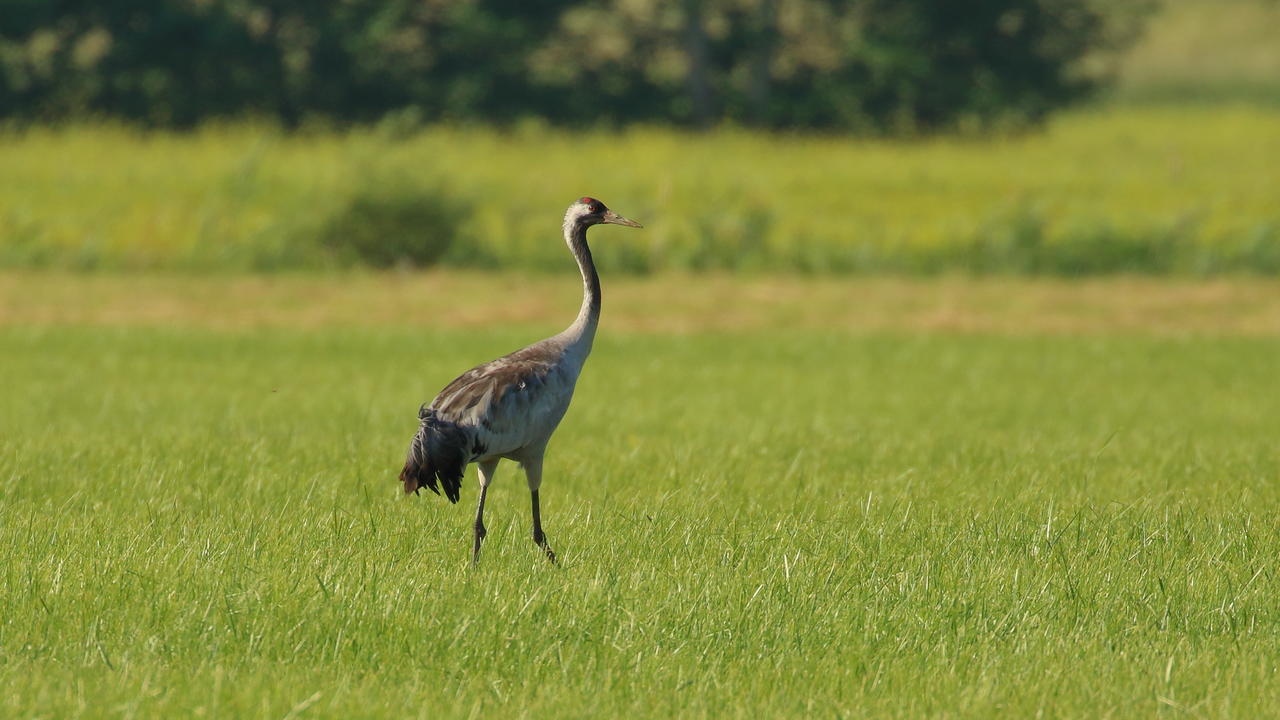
[
  {"x": 1205, "y": 50},
  {"x": 800, "y": 522},
  {"x": 1140, "y": 189},
  {"x": 668, "y": 303}
]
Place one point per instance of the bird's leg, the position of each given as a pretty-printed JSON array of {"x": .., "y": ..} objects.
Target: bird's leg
[
  {"x": 533, "y": 472},
  {"x": 479, "y": 527},
  {"x": 539, "y": 537},
  {"x": 487, "y": 469}
]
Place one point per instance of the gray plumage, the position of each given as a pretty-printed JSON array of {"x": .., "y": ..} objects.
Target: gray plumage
[{"x": 508, "y": 408}]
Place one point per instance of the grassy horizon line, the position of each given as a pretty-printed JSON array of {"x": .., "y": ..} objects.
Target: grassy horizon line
[{"x": 1155, "y": 190}]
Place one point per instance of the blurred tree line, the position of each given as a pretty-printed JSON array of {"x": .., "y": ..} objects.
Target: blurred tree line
[{"x": 859, "y": 64}]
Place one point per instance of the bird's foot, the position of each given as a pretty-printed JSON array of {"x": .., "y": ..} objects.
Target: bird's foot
[
  {"x": 475, "y": 548},
  {"x": 541, "y": 541}
]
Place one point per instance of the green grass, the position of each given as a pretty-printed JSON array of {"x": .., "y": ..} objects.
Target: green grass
[
  {"x": 1204, "y": 51},
  {"x": 1158, "y": 190},
  {"x": 754, "y": 524}
]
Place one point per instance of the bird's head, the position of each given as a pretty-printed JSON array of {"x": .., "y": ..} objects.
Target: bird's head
[{"x": 588, "y": 211}]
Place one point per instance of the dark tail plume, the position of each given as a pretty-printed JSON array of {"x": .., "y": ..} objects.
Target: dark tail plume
[{"x": 438, "y": 452}]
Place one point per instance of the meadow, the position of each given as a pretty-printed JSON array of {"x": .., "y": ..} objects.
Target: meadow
[
  {"x": 1204, "y": 51},
  {"x": 1152, "y": 189},
  {"x": 835, "y": 454},
  {"x": 936, "y": 504}
]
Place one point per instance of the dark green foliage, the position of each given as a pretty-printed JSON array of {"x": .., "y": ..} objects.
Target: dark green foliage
[
  {"x": 162, "y": 63},
  {"x": 870, "y": 64},
  {"x": 394, "y": 222}
]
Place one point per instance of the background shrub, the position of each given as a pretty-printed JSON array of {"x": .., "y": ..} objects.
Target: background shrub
[
  {"x": 394, "y": 221},
  {"x": 867, "y": 64}
]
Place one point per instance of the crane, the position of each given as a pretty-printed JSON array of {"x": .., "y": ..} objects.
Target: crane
[{"x": 509, "y": 407}]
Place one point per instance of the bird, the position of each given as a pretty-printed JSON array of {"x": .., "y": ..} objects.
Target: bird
[{"x": 508, "y": 408}]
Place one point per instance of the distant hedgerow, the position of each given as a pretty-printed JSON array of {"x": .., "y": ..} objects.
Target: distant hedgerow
[{"x": 394, "y": 222}]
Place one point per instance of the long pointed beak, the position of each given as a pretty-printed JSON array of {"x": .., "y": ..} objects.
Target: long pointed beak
[{"x": 614, "y": 218}]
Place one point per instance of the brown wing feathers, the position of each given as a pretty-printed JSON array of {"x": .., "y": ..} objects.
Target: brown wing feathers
[
  {"x": 438, "y": 452},
  {"x": 447, "y": 430}
]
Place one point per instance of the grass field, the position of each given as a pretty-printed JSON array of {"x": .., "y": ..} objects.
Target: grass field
[
  {"x": 1205, "y": 51},
  {"x": 1017, "y": 514},
  {"x": 1163, "y": 190}
]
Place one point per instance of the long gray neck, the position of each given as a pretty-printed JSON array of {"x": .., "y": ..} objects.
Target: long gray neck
[{"x": 583, "y": 329}]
